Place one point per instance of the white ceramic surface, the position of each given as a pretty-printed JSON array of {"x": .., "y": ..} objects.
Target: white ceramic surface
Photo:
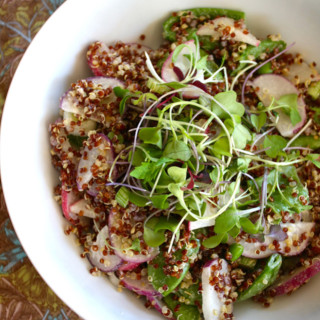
[{"x": 54, "y": 59}]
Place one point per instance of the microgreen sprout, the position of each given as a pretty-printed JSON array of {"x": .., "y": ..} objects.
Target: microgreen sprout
[{"x": 177, "y": 140}]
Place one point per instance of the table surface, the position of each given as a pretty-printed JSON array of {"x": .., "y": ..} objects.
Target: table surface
[{"x": 23, "y": 293}]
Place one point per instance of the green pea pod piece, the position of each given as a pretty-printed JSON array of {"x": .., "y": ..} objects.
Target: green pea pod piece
[
  {"x": 314, "y": 90},
  {"x": 306, "y": 142},
  {"x": 211, "y": 13},
  {"x": 236, "y": 249},
  {"x": 164, "y": 282},
  {"x": 265, "y": 69},
  {"x": 247, "y": 263},
  {"x": 265, "y": 279},
  {"x": 76, "y": 141},
  {"x": 180, "y": 310},
  {"x": 266, "y": 45},
  {"x": 191, "y": 294}
]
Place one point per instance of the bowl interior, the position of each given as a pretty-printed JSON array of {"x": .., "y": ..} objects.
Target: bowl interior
[{"x": 55, "y": 58}]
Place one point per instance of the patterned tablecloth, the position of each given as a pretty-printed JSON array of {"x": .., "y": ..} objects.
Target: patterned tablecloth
[{"x": 23, "y": 293}]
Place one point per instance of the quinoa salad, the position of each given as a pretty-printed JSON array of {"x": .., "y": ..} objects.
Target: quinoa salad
[{"x": 189, "y": 174}]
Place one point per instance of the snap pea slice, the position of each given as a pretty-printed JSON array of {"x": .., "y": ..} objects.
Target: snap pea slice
[
  {"x": 314, "y": 90},
  {"x": 236, "y": 249},
  {"x": 247, "y": 263},
  {"x": 191, "y": 294},
  {"x": 210, "y": 13},
  {"x": 265, "y": 279},
  {"x": 180, "y": 310},
  {"x": 163, "y": 282},
  {"x": 265, "y": 69},
  {"x": 253, "y": 52}
]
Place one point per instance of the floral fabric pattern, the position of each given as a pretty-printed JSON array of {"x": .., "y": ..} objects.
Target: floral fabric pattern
[{"x": 23, "y": 293}]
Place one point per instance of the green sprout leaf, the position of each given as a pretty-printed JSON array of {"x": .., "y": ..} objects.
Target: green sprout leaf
[
  {"x": 177, "y": 149},
  {"x": 289, "y": 102},
  {"x": 215, "y": 240},
  {"x": 228, "y": 100},
  {"x": 258, "y": 121},
  {"x": 151, "y": 136},
  {"x": 241, "y": 135},
  {"x": 276, "y": 144},
  {"x": 179, "y": 175},
  {"x": 226, "y": 221}
]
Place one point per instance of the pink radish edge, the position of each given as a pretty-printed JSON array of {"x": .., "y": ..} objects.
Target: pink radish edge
[
  {"x": 67, "y": 199},
  {"x": 289, "y": 283},
  {"x": 138, "y": 284},
  {"x": 111, "y": 261},
  {"x": 253, "y": 249},
  {"x": 161, "y": 307}
]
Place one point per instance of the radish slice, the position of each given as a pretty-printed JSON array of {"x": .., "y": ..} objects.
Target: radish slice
[
  {"x": 291, "y": 282},
  {"x": 124, "y": 232},
  {"x": 76, "y": 126},
  {"x": 96, "y": 160},
  {"x": 91, "y": 98},
  {"x": 83, "y": 208},
  {"x": 270, "y": 86},
  {"x": 183, "y": 64},
  {"x": 193, "y": 91},
  {"x": 299, "y": 235},
  {"x": 105, "y": 60},
  {"x": 301, "y": 232},
  {"x": 160, "y": 306},
  {"x": 101, "y": 256},
  {"x": 301, "y": 73},
  {"x": 128, "y": 266},
  {"x": 229, "y": 29},
  {"x": 216, "y": 290},
  {"x": 138, "y": 283},
  {"x": 68, "y": 198}
]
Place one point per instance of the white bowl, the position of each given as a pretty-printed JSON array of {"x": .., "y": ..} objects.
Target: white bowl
[{"x": 55, "y": 58}]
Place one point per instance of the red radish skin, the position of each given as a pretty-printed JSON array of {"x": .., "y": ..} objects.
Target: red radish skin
[
  {"x": 300, "y": 232},
  {"x": 128, "y": 266},
  {"x": 138, "y": 283},
  {"x": 216, "y": 290},
  {"x": 161, "y": 307},
  {"x": 121, "y": 238},
  {"x": 68, "y": 198},
  {"x": 101, "y": 256},
  {"x": 228, "y": 29},
  {"x": 270, "y": 86},
  {"x": 98, "y": 146},
  {"x": 289, "y": 283}
]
